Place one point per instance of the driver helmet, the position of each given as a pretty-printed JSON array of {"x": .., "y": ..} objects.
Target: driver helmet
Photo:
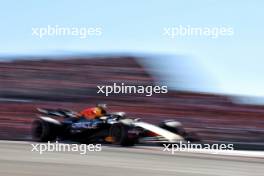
[{"x": 101, "y": 110}]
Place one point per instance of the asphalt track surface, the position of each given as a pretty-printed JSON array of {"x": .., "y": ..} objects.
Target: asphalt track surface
[{"x": 17, "y": 159}]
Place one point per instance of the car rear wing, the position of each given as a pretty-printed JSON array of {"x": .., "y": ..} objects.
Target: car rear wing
[{"x": 58, "y": 112}]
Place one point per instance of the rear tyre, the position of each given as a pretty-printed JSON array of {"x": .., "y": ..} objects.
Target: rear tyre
[
  {"x": 43, "y": 131},
  {"x": 120, "y": 135}
]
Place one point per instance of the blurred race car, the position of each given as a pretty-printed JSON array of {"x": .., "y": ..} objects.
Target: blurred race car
[{"x": 115, "y": 128}]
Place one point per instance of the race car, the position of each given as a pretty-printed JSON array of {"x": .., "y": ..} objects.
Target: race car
[{"x": 114, "y": 128}]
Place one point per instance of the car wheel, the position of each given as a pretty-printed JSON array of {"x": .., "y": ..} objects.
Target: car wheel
[
  {"x": 176, "y": 127},
  {"x": 43, "y": 131},
  {"x": 120, "y": 135}
]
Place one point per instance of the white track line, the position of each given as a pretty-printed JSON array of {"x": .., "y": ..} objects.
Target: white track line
[{"x": 151, "y": 149}]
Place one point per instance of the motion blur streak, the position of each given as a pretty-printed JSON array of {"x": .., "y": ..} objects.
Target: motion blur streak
[{"x": 71, "y": 83}]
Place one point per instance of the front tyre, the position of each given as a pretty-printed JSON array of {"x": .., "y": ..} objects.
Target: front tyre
[
  {"x": 121, "y": 135},
  {"x": 177, "y": 128}
]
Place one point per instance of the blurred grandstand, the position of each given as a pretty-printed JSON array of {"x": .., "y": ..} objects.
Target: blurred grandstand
[{"x": 72, "y": 83}]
